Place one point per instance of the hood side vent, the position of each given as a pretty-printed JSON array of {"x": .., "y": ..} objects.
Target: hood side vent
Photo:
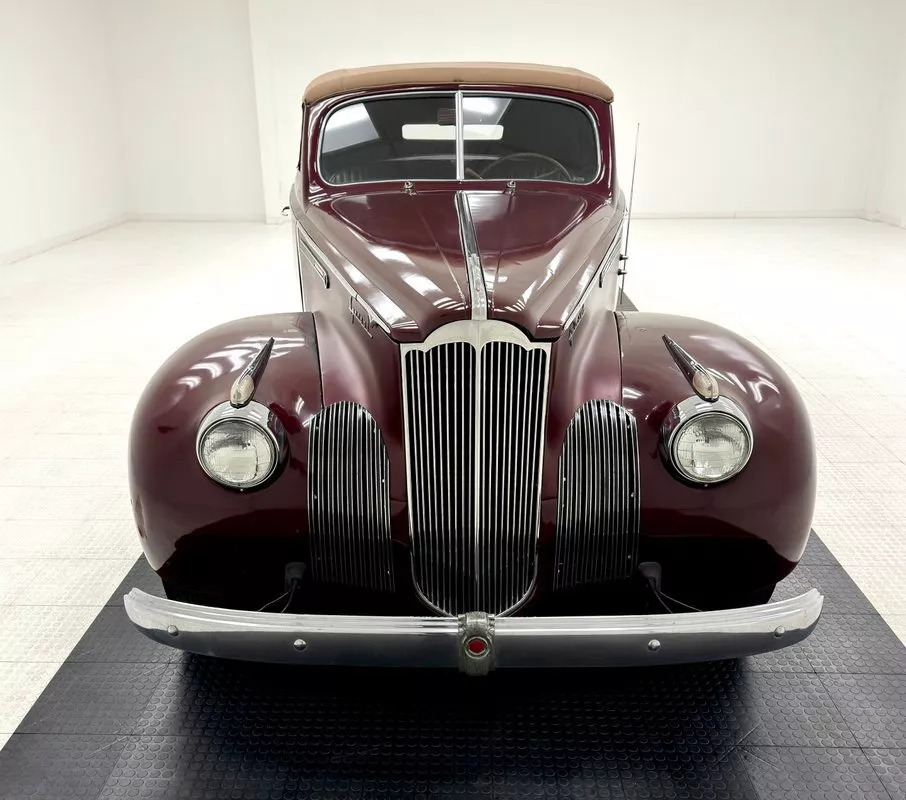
[
  {"x": 349, "y": 499},
  {"x": 598, "y": 504}
]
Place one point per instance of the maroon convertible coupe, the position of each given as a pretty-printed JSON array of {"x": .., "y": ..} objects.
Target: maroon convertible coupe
[{"x": 461, "y": 450}]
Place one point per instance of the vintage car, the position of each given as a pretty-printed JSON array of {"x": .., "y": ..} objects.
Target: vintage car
[{"x": 460, "y": 449}]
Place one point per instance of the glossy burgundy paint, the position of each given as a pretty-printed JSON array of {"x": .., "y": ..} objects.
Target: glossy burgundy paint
[
  {"x": 173, "y": 500},
  {"x": 772, "y": 500},
  {"x": 401, "y": 255}
]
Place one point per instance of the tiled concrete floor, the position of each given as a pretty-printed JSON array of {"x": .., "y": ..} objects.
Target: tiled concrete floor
[{"x": 82, "y": 327}]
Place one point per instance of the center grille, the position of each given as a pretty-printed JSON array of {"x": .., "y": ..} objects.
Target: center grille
[{"x": 474, "y": 422}]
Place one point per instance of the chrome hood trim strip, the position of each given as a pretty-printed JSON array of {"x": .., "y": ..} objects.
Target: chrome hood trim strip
[{"x": 474, "y": 269}]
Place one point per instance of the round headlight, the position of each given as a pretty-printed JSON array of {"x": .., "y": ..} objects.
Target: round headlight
[
  {"x": 236, "y": 448},
  {"x": 708, "y": 442}
]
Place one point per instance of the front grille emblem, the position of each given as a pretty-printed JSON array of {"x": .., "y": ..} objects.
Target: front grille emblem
[{"x": 476, "y": 643}]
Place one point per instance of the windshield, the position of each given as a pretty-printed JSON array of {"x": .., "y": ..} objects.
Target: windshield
[{"x": 481, "y": 137}]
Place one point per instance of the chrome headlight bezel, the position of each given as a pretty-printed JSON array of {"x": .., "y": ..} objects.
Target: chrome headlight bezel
[
  {"x": 255, "y": 415},
  {"x": 693, "y": 408}
]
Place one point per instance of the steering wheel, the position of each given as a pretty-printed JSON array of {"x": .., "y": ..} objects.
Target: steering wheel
[{"x": 557, "y": 167}]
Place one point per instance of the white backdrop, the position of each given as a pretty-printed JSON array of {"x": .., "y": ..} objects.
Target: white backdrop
[
  {"x": 888, "y": 200},
  {"x": 190, "y": 110},
  {"x": 60, "y": 165},
  {"x": 186, "y": 106},
  {"x": 769, "y": 107}
]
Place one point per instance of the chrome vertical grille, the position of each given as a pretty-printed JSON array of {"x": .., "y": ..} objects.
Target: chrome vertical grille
[
  {"x": 510, "y": 455},
  {"x": 475, "y": 410},
  {"x": 349, "y": 499},
  {"x": 441, "y": 405},
  {"x": 598, "y": 506}
]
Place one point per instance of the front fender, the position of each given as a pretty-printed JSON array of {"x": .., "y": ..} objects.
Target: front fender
[
  {"x": 187, "y": 522},
  {"x": 763, "y": 515}
]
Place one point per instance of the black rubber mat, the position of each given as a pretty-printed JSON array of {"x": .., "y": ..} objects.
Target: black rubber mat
[{"x": 127, "y": 718}]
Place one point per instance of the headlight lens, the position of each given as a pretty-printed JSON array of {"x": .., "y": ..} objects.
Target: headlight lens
[
  {"x": 239, "y": 448},
  {"x": 711, "y": 447}
]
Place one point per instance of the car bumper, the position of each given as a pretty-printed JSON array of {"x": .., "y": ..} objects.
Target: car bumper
[{"x": 475, "y": 642}]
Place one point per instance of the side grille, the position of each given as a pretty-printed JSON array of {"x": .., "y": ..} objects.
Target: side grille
[
  {"x": 474, "y": 417},
  {"x": 598, "y": 508},
  {"x": 349, "y": 499}
]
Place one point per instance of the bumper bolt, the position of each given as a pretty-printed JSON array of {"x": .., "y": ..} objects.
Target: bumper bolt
[
  {"x": 299, "y": 644},
  {"x": 654, "y": 645},
  {"x": 172, "y": 630},
  {"x": 779, "y": 631}
]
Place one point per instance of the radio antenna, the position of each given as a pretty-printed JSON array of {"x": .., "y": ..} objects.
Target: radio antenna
[{"x": 623, "y": 258}]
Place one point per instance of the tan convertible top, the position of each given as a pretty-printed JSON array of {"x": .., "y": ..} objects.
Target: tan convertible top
[{"x": 479, "y": 72}]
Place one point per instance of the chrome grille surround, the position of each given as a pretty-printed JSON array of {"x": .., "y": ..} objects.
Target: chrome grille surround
[
  {"x": 349, "y": 499},
  {"x": 475, "y": 408},
  {"x": 599, "y": 498}
]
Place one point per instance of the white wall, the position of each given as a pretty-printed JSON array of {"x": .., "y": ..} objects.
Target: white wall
[
  {"x": 60, "y": 164},
  {"x": 187, "y": 117},
  {"x": 190, "y": 110},
  {"x": 889, "y": 199},
  {"x": 765, "y": 107}
]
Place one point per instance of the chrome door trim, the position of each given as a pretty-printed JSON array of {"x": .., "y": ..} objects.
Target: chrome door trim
[
  {"x": 322, "y": 261},
  {"x": 596, "y": 279},
  {"x": 303, "y": 243}
]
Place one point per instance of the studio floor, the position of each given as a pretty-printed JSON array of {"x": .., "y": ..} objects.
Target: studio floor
[{"x": 83, "y": 326}]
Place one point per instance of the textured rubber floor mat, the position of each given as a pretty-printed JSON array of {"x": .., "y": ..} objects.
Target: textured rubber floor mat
[{"x": 126, "y": 717}]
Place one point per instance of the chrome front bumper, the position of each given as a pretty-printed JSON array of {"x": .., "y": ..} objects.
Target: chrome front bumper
[{"x": 475, "y": 642}]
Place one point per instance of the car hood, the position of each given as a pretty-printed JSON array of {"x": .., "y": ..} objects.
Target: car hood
[{"x": 403, "y": 254}]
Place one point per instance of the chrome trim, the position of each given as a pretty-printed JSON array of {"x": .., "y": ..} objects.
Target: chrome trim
[
  {"x": 598, "y": 503},
  {"x": 478, "y": 290},
  {"x": 687, "y": 410},
  {"x": 703, "y": 383},
  {"x": 460, "y": 139},
  {"x": 479, "y": 626},
  {"x": 574, "y": 325},
  {"x": 302, "y": 243},
  {"x": 602, "y": 641},
  {"x": 243, "y": 389},
  {"x": 596, "y": 279},
  {"x": 611, "y": 257},
  {"x": 349, "y": 499},
  {"x": 463, "y": 557},
  {"x": 360, "y": 315},
  {"x": 297, "y": 250},
  {"x": 465, "y": 93},
  {"x": 255, "y": 414},
  {"x": 329, "y": 268}
]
